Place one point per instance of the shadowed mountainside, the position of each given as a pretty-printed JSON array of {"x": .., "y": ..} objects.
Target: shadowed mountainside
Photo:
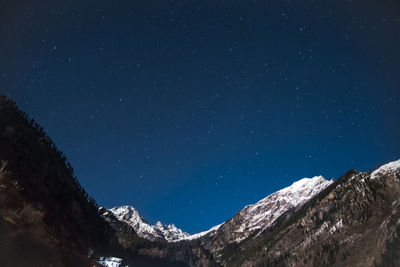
[{"x": 46, "y": 217}]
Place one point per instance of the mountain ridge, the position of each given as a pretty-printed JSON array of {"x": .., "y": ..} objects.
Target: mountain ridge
[
  {"x": 159, "y": 231},
  {"x": 295, "y": 194}
]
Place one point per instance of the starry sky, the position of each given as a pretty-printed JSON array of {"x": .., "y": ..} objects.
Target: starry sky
[{"x": 190, "y": 110}]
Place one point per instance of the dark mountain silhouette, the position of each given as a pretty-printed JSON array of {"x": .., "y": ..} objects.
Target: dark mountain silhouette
[{"x": 46, "y": 217}]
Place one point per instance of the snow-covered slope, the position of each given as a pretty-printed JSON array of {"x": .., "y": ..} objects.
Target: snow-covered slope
[
  {"x": 391, "y": 167},
  {"x": 261, "y": 215}
]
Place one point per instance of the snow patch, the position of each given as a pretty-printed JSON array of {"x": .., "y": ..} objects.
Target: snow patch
[
  {"x": 110, "y": 261},
  {"x": 336, "y": 227},
  {"x": 322, "y": 229},
  {"x": 240, "y": 239}
]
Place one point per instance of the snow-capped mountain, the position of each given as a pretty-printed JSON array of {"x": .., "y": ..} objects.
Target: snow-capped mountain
[
  {"x": 158, "y": 231},
  {"x": 354, "y": 221},
  {"x": 311, "y": 208},
  {"x": 254, "y": 218},
  {"x": 261, "y": 215}
]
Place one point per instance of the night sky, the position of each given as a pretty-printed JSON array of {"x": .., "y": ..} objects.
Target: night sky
[{"x": 190, "y": 110}]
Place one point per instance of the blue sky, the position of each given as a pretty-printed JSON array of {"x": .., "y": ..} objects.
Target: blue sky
[{"x": 191, "y": 110}]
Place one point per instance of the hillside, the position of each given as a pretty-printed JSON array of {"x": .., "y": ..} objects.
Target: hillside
[{"x": 46, "y": 217}]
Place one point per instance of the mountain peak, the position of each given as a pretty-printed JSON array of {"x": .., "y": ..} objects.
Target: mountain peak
[
  {"x": 127, "y": 213},
  {"x": 302, "y": 190},
  {"x": 388, "y": 168},
  {"x": 261, "y": 215},
  {"x": 295, "y": 194},
  {"x": 159, "y": 231}
]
